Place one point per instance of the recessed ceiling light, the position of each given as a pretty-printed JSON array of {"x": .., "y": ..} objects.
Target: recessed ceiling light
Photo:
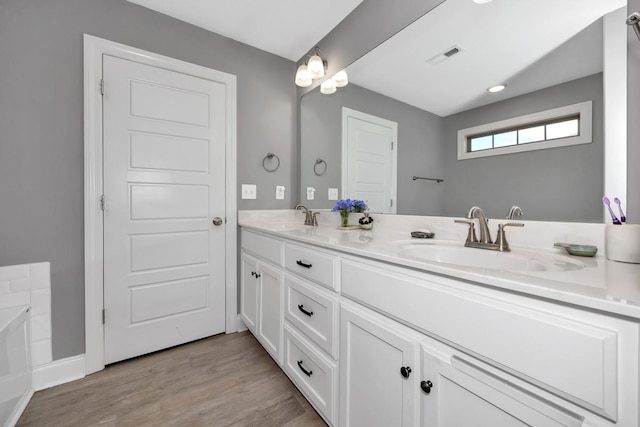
[
  {"x": 497, "y": 88},
  {"x": 482, "y": 1}
]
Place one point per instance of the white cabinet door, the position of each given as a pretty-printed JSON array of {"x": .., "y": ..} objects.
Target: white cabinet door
[
  {"x": 457, "y": 393},
  {"x": 249, "y": 291},
  {"x": 270, "y": 284},
  {"x": 378, "y": 372},
  {"x": 261, "y": 306}
]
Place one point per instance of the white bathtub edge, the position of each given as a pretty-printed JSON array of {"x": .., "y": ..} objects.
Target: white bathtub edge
[
  {"x": 19, "y": 408},
  {"x": 59, "y": 372}
]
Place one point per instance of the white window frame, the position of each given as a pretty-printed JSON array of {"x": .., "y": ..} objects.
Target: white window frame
[{"x": 583, "y": 109}]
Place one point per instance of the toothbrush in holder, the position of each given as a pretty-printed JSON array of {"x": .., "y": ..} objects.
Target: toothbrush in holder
[
  {"x": 607, "y": 203},
  {"x": 622, "y": 217}
]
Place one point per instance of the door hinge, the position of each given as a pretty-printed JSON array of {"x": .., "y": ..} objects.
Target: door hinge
[
  {"x": 391, "y": 202},
  {"x": 102, "y": 202},
  {"x": 392, "y": 145},
  {"x": 103, "y": 316},
  {"x": 101, "y": 86}
]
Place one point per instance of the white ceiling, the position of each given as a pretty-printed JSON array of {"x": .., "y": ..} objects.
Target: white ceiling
[
  {"x": 288, "y": 28},
  {"x": 527, "y": 44}
]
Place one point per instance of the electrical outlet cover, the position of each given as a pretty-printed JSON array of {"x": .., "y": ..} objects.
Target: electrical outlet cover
[{"x": 280, "y": 192}]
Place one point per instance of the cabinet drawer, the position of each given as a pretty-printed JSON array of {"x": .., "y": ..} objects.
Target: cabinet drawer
[
  {"x": 562, "y": 354},
  {"x": 262, "y": 246},
  {"x": 313, "y": 311},
  {"x": 314, "y": 374},
  {"x": 318, "y": 266}
]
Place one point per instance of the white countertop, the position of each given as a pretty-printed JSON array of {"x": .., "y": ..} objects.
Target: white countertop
[{"x": 604, "y": 285}]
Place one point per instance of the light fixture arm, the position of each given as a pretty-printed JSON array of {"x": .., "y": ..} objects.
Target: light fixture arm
[{"x": 634, "y": 21}]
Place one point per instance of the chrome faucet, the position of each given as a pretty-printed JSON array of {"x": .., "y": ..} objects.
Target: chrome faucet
[
  {"x": 485, "y": 242},
  {"x": 310, "y": 218},
  {"x": 515, "y": 211},
  {"x": 485, "y": 234}
]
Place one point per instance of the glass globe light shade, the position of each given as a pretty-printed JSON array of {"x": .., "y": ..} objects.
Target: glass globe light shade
[
  {"x": 328, "y": 87},
  {"x": 341, "y": 78},
  {"x": 303, "y": 77},
  {"x": 316, "y": 67}
]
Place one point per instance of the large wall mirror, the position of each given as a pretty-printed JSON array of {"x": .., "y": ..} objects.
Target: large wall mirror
[{"x": 430, "y": 81}]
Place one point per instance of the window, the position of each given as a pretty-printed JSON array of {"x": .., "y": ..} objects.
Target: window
[{"x": 558, "y": 127}]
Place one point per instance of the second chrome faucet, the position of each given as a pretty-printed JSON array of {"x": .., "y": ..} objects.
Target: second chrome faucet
[
  {"x": 485, "y": 241},
  {"x": 310, "y": 217}
]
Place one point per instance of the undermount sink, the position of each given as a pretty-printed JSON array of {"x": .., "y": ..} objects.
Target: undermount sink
[
  {"x": 286, "y": 226},
  {"x": 518, "y": 260}
]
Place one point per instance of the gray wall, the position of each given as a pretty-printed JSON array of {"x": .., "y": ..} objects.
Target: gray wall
[
  {"x": 41, "y": 128},
  {"x": 559, "y": 184},
  {"x": 419, "y": 146},
  {"x": 633, "y": 127}
]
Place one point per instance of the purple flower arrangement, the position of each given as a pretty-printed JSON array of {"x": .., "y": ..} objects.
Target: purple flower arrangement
[{"x": 346, "y": 206}]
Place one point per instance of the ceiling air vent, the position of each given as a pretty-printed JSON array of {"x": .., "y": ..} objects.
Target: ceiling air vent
[{"x": 446, "y": 54}]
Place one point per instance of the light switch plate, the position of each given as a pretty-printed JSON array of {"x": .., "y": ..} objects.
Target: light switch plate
[
  {"x": 310, "y": 193},
  {"x": 280, "y": 192},
  {"x": 249, "y": 191},
  {"x": 333, "y": 194}
]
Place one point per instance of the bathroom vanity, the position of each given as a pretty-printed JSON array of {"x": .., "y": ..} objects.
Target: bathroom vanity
[{"x": 379, "y": 329}]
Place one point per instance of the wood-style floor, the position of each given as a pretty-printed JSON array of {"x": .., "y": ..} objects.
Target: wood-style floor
[{"x": 226, "y": 380}]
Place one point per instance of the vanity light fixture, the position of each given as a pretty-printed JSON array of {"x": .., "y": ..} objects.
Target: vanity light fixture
[
  {"x": 497, "y": 88},
  {"x": 313, "y": 69}
]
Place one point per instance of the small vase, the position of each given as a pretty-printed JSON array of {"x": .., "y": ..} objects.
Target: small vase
[{"x": 344, "y": 216}]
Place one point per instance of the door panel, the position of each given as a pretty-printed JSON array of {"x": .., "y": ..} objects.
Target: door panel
[
  {"x": 373, "y": 391},
  {"x": 153, "y": 151},
  {"x": 369, "y": 164},
  {"x": 270, "y": 310},
  {"x": 164, "y": 181}
]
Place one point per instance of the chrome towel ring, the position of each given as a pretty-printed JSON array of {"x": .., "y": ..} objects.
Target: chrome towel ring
[
  {"x": 319, "y": 161},
  {"x": 269, "y": 157}
]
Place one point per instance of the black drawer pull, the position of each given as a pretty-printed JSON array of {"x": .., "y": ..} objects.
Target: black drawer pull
[
  {"x": 426, "y": 386},
  {"x": 302, "y": 264},
  {"x": 301, "y": 308},
  {"x": 405, "y": 371},
  {"x": 307, "y": 373}
]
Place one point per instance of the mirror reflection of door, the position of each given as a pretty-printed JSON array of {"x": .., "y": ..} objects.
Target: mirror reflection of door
[{"x": 369, "y": 160}]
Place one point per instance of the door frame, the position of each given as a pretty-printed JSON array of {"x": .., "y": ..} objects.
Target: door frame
[
  {"x": 94, "y": 49},
  {"x": 346, "y": 114}
]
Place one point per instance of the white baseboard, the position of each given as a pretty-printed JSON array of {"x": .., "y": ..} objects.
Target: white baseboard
[
  {"x": 241, "y": 326},
  {"x": 59, "y": 372}
]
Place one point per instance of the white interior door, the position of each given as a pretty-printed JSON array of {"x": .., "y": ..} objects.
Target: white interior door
[
  {"x": 369, "y": 160},
  {"x": 164, "y": 183}
]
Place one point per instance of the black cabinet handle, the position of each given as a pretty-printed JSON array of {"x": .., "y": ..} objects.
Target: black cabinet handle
[
  {"x": 302, "y": 264},
  {"x": 405, "y": 371},
  {"x": 257, "y": 275},
  {"x": 426, "y": 386},
  {"x": 253, "y": 273},
  {"x": 307, "y": 373},
  {"x": 301, "y": 308}
]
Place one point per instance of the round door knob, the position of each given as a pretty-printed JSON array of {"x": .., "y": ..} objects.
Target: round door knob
[
  {"x": 217, "y": 221},
  {"x": 405, "y": 371},
  {"x": 426, "y": 386}
]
